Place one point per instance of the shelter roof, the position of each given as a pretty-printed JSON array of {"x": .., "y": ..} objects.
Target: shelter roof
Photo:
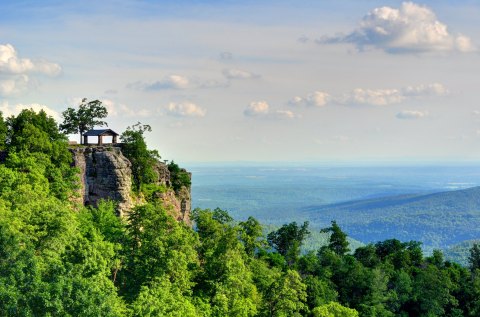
[{"x": 100, "y": 132}]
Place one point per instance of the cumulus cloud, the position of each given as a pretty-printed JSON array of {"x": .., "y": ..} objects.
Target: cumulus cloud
[
  {"x": 261, "y": 109},
  {"x": 383, "y": 97},
  {"x": 375, "y": 97},
  {"x": 412, "y": 28},
  {"x": 185, "y": 109},
  {"x": 257, "y": 108},
  {"x": 176, "y": 82},
  {"x": 14, "y": 85},
  {"x": 119, "y": 109},
  {"x": 168, "y": 82},
  {"x": 11, "y": 110},
  {"x": 10, "y": 63},
  {"x": 435, "y": 89},
  {"x": 314, "y": 99},
  {"x": 234, "y": 73},
  {"x": 411, "y": 114}
]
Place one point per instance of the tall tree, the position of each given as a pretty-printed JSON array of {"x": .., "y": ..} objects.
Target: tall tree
[
  {"x": 3, "y": 132},
  {"x": 474, "y": 258},
  {"x": 338, "y": 239},
  {"x": 143, "y": 160},
  {"x": 288, "y": 239},
  {"x": 84, "y": 118}
]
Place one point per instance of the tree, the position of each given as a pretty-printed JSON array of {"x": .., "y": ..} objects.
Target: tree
[
  {"x": 85, "y": 118},
  {"x": 287, "y": 296},
  {"x": 3, "y": 132},
  {"x": 179, "y": 177},
  {"x": 338, "y": 239},
  {"x": 251, "y": 232},
  {"x": 334, "y": 309},
  {"x": 474, "y": 258},
  {"x": 288, "y": 239},
  {"x": 143, "y": 160}
]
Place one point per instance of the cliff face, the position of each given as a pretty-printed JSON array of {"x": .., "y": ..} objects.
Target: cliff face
[{"x": 105, "y": 173}]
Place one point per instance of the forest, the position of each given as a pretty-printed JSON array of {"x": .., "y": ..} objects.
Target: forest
[{"x": 58, "y": 258}]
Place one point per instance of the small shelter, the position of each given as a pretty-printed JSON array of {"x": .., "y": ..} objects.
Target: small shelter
[{"x": 100, "y": 134}]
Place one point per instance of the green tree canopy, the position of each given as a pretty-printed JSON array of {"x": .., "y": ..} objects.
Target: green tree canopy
[
  {"x": 288, "y": 239},
  {"x": 86, "y": 117},
  {"x": 3, "y": 132},
  {"x": 143, "y": 160},
  {"x": 338, "y": 239}
]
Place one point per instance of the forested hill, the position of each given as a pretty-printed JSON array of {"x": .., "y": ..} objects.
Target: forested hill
[
  {"x": 61, "y": 258},
  {"x": 438, "y": 220}
]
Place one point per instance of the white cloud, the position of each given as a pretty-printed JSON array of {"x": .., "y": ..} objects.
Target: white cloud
[
  {"x": 383, "y": 97},
  {"x": 412, "y": 28},
  {"x": 434, "y": 89},
  {"x": 168, "y": 82},
  {"x": 376, "y": 97},
  {"x": 14, "y": 85},
  {"x": 10, "y": 63},
  {"x": 11, "y": 110},
  {"x": 177, "y": 82},
  {"x": 118, "y": 109},
  {"x": 262, "y": 109},
  {"x": 185, "y": 109},
  {"x": 234, "y": 73},
  {"x": 257, "y": 108},
  {"x": 315, "y": 99},
  {"x": 411, "y": 114}
]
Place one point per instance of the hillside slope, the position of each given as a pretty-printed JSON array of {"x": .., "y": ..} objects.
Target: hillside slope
[{"x": 438, "y": 220}]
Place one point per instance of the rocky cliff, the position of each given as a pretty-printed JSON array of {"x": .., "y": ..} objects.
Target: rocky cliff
[{"x": 105, "y": 173}]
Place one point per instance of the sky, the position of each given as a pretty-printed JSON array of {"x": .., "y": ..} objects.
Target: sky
[{"x": 353, "y": 80}]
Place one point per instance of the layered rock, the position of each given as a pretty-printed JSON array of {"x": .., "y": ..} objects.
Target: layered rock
[{"x": 105, "y": 173}]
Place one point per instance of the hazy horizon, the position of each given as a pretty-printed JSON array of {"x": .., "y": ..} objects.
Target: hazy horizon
[{"x": 262, "y": 81}]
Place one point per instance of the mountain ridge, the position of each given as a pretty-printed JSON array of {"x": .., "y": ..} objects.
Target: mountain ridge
[{"x": 437, "y": 219}]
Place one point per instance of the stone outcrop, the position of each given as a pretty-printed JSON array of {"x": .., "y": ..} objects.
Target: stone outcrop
[{"x": 105, "y": 173}]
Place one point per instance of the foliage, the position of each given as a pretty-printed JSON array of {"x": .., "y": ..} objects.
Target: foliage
[
  {"x": 59, "y": 259},
  {"x": 179, "y": 177},
  {"x": 3, "y": 132},
  {"x": 85, "y": 118},
  {"x": 288, "y": 239},
  {"x": 143, "y": 160},
  {"x": 338, "y": 239},
  {"x": 333, "y": 309},
  {"x": 474, "y": 258}
]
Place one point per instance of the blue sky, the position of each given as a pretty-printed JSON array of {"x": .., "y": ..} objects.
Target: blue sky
[{"x": 257, "y": 80}]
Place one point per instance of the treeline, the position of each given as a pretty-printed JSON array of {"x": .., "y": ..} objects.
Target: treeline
[{"x": 61, "y": 259}]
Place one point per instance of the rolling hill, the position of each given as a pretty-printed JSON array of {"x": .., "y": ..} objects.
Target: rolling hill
[{"x": 438, "y": 220}]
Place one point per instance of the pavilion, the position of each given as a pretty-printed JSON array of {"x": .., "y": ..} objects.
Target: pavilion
[{"x": 100, "y": 133}]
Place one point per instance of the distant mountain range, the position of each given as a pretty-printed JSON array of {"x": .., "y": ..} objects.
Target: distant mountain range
[{"x": 439, "y": 220}]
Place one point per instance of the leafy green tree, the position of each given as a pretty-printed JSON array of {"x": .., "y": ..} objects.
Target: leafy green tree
[
  {"x": 474, "y": 258},
  {"x": 34, "y": 143},
  {"x": 159, "y": 246},
  {"x": 86, "y": 117},
  {"x": 3, "y": 132},
  {"x": 162, "y": 298},
  {"x": 287, "y": 296},
  {"x": 143, "y": 160},
  {"x": 179, "y": 177},
  {"x": 288, "y": 240},
  {"x": 251, "y": 233},
  {"x": 334, "y": 309},
  {"x": 338, "y": 239},
  {"x": 225, "y": 279}
]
